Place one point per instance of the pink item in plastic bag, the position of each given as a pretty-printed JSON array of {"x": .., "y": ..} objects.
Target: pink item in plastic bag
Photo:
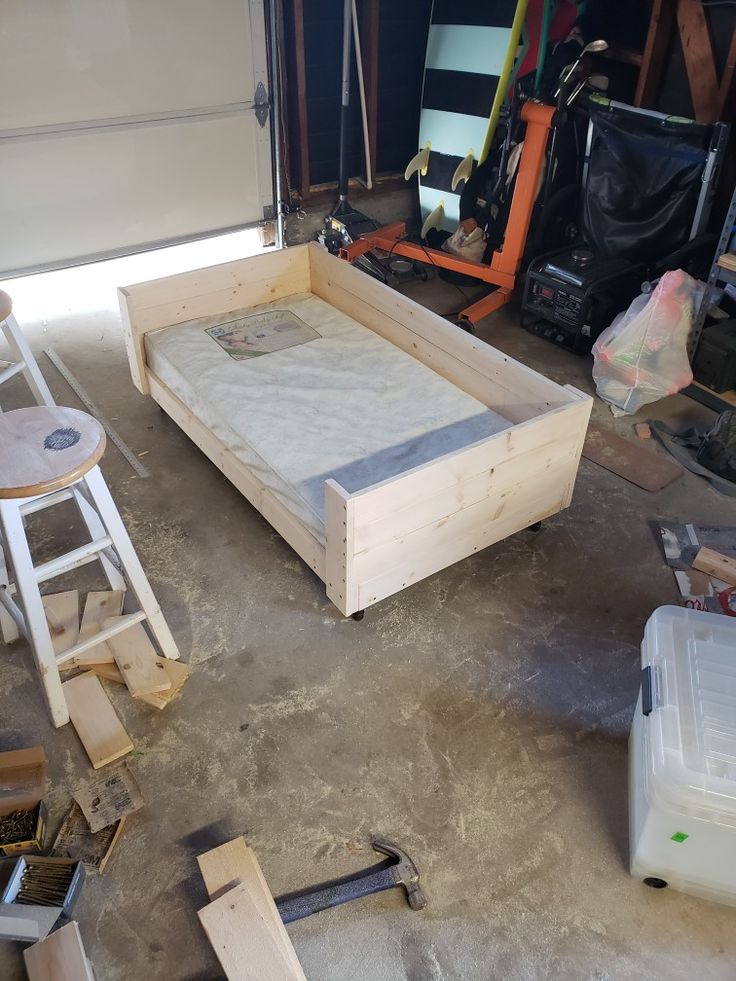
[{"x": 642, "y": 356}]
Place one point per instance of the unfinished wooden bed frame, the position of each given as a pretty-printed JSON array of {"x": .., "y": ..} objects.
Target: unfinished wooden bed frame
[{"x": 396, "y": 532}]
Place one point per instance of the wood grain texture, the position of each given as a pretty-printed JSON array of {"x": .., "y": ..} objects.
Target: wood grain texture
[
  {"x": 46, "y": 447},
  {"x": 638, "y": 464},
  {"x": 98, "y": 607},
  {"x": 143, "y": 671},
  {"x": 60, "y": 957},
  {"x": 715, "y": 564},
  {"x": 177, "y": 674},
  {"x": 95, "y": 720},
  {"x": 235, "y": 864},
  {"x": 699, "y": 61},
  {"x": 108, "y": 671},
  {"x": 62, "y": 616}
]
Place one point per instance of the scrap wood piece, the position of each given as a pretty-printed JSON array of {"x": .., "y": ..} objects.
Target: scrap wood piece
[
  {"x": 643, "y": 430},
  {"x": 60, "y": 957},
  {"x": 699, "y": 61},
  {"x": 716, "y": 565},
  {"x": 640, "y": 466},
  {"x": 96, "y": 721},
  {"x": 235, "y": 864},
  {"x": 110, "y": 672},
  {"x": 62, "y": 616},
  {"x": 75, "y": 840},
  {"x": 244, "y": 937},
  {"x": 108, "y": 796},
  {"x": 142, "y": 669},
  {"x": 177, "y": 674},
  {"x": 98, "y": 607}
]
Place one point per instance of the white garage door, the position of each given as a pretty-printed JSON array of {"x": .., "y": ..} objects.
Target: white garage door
[{"x": 126, "y": 123}]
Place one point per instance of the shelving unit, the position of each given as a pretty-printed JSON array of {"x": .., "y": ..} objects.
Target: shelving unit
[{"x": 722, "y": 270}]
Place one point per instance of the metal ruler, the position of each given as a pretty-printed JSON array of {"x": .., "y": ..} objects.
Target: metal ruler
[{"x": 84, "y": 398}]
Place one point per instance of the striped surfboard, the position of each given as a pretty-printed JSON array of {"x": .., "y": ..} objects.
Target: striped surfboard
[{"x": 471, "y": 49}]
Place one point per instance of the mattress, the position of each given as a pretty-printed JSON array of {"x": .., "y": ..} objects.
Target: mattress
[{"x": 300, "y": 393}]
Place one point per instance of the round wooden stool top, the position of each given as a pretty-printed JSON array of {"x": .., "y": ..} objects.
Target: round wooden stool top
[
  {"x": 45, "y": 448},
  {"x": 6, "y": 306}
]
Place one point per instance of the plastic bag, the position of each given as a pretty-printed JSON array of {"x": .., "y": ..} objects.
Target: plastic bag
[{"x": 642, "y": 356}]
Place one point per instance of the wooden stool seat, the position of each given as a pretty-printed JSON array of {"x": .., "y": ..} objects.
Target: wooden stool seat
[{"x": 46, "y": 448}]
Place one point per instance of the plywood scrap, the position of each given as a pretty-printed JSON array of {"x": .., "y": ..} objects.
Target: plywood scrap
[
  {"x": 234, "y": 866},
  {"x": 714, "y": 564},
  {"x": 142, "y": 669},
  {"x": 643, "y": 430},
  {"x": 62, "y": 616},
  {"x": 75, "y": 840},
  {"x": 108, "y": 796},
  {"x": 95, "y": 720},
  {"x": 177, "y": 674},
  {"x": 641, "y": 466},
  {"x": 60, "y": 957},
  {"x": 98, "y": 607}
]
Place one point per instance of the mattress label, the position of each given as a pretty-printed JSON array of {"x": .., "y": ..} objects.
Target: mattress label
[{"x": 261, "y": 333}]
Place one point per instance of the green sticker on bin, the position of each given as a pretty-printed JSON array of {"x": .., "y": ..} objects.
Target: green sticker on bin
[{"x": 679, "y": 837}]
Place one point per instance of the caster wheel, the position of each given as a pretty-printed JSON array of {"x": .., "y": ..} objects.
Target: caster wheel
[
  {"x": 537, "y": 526},
  {"x": 358, "y": 615},
  {"x": 655, "y": 883}
]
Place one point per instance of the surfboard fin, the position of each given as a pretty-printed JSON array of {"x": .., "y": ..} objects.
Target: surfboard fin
[
  {"x": 463, "y": 170},
  {"x": 419, "y": 162},
  {"x": 434, "y": 219}
]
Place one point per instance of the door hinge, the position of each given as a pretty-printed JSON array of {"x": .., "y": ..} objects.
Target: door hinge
[{"x": 262, "y": 105}]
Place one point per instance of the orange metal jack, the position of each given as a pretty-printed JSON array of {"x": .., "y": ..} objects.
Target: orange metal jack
[{"x": 506, "y": 261}]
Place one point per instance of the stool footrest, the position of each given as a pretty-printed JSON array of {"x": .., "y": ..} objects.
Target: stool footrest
[
  {"x": 115, "y": 628},
  {"x": 13, "y": 609},
  {"x": 72, "y": 560},
  {"x": 10, "y": 372}
]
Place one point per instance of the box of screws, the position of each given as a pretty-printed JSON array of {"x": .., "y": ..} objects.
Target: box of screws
[
  {"x": 40, "y": 881},
  {"x": 23, "y": 830}
]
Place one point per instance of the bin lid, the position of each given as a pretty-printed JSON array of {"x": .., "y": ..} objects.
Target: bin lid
[{"x": 690, "y": 738}]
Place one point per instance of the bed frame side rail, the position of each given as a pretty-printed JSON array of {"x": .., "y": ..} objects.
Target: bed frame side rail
[
  {"x": 215, "y": 289},
  {"x": 402, "y": 530}
]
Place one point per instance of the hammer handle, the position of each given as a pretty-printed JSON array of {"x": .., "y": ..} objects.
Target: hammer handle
[{"x": 297, "y": 905}]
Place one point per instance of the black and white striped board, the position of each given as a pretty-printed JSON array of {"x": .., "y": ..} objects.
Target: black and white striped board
[{"x": 470, "y": 52}]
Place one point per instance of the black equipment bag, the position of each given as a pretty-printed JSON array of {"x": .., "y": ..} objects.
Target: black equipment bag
[{"x": 717, "y": 452}]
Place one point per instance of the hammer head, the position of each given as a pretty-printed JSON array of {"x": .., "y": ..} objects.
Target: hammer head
[{"x": 403, "y": 870}]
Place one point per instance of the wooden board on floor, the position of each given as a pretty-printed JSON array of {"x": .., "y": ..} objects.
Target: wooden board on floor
[
  {"x": 142, "y": 669},
  {"x": 177, "y": 674},
  {"x": 60, "y": 957},
  {"x": 235, "y": 864},
  {"x": 714, "y": 564},
  {"x": 98, "y": 607},
  {"x": 62, "y": 615},
  {"x": 110, "y": 672},
  {"x": 244, "y": 937},
  {"x": 640, "y": 465},
  {"x": 93, "y": 716}
]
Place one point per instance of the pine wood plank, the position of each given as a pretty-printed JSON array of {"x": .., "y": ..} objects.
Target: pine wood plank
[
  {"x": 62, "y": 616},
  {"x": 638, "y": 464},
  {"x": 177, "y": 674},
  {"x": 98, "y": 607},
  {"x": 110, "y": 672},
  {"x": 60, "y": 957},
  {"x": 728, "y": 261},
  {"x": 699, "y": 61},
  {"x": 234, "y": 864},
  {"x": 142, "y": 669},
  {"x": 243, "y": 935},
  {"x": 95, "y": 720},
  {"x": 714, "y": 564}
]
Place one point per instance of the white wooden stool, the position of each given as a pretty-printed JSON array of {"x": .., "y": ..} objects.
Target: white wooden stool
[
  {"x": 25, "y": 364},
  {"x": 49, "y": 454}
]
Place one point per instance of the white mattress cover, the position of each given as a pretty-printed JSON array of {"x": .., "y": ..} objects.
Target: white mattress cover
[{"x": 348, "y": 405}]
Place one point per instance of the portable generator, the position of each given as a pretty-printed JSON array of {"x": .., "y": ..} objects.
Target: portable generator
[{"x": 574, "y": 295}]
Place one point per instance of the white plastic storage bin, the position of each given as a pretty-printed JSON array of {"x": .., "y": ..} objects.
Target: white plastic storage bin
[{"x": 682, "y": 755}]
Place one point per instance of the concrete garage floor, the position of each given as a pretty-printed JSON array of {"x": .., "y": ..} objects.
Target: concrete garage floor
[{"x": 480, "y": 718}]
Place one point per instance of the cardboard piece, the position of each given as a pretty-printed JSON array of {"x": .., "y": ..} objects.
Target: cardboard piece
[
  {"x": 108, "y": 796},
  {"x": 75, "y": 840}
]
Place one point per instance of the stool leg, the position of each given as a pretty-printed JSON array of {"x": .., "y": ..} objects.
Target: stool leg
[
  {"x": 131, "y": 564},
  {"x": 22, "y": 352},
  {"x": 14, "y": 538},
  {"x": 8, "y": 627},
  {"x": 94, "y": 526}
]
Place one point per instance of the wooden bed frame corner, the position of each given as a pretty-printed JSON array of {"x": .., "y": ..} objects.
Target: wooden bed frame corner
[{"x": 396, "y": 532}]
